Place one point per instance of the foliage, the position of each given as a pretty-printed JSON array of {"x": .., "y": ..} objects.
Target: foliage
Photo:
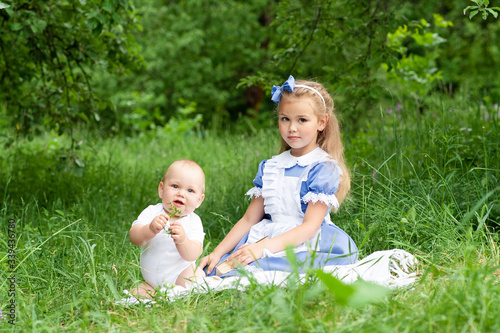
[
  {"x": 196, "y": 52},
  {"x": 468, "y": 58},
  {"x": 221, "y": 58},
  {"x": 416, "y": 73},
  {"x": 49, "y": 50},
  {"x": 341, "y": 43},
  {"x": 344, "y": 45},
  {"x": 481, "y": 7}
]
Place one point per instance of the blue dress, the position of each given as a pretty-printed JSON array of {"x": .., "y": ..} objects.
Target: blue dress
[{"x": 287, "y": 184}]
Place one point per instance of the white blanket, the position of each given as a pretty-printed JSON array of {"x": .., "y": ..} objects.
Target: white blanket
[{"x": 391, "y": 268}]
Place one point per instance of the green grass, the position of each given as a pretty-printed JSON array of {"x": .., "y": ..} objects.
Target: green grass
[{"x": 425, "y": 184}]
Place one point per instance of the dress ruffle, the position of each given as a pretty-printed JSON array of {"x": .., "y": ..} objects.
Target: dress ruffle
[
  {"x": 322, "y": 197},
  {"x": 254, "y": 192},
  {"x": 270, "y": 188}
]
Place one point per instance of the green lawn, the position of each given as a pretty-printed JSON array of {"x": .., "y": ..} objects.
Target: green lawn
[{"x": 427, "y": 184}]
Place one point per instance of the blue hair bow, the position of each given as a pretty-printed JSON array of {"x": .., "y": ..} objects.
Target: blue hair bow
[{"x": 288, "y": 85}]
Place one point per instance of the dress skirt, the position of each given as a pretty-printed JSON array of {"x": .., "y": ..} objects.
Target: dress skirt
[{"x": 335, "y": 247}]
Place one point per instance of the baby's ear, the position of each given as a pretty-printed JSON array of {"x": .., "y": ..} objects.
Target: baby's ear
[{"x": 160, "y": 189}]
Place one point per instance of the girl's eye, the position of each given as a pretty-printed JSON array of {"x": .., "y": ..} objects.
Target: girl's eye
[
  {"x": 302, "y": 120},
  {"x": 191, "y": 191},
  {"x": 284, "y": 118},
  {"x": 175, "y": 186}
]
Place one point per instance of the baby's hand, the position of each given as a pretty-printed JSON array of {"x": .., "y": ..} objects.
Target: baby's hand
[
  {"x": 178, "y": 233},
  {"x": 158, "y": 223}
]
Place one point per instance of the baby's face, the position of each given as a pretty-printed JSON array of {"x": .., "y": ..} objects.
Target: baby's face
[{"x": 183, "y": 189}]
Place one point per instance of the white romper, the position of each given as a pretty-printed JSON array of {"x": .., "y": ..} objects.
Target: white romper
[{"x": 160, "y": 260}]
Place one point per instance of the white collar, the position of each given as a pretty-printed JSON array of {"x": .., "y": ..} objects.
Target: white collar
[{"x": 287, "y": 160}]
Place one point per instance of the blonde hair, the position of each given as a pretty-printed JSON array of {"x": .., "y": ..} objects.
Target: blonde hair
[{"x": 329, "y": 138}]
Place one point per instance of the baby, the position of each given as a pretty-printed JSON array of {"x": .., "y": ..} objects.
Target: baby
[{"x": 170, "y": 233}]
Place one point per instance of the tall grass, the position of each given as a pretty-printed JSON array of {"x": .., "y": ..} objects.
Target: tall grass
[{"x": 430, "y": 189}]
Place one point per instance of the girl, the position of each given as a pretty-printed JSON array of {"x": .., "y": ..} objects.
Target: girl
[{"x": 294, "y": 191}]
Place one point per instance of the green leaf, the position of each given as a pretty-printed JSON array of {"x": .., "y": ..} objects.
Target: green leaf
[
  {"x": 38, "y": 26},
  {"x": 357, "y": 294},
  {"x": 473, "y": 13},
  {"x": 97, "y": 30},
  {"x": 108, "y": 6},
  {"x": 366, "y": 293},
  {"x": 467, "y": 8},
  {"x": 82, "y": 116},
  {"x": 79, "y": 163},
  {"x": 341, "y": 291},
  {"x": 3, "y": 5},
  {"x": 103, "y": 19},
  {"x": 16, "y": 26},
  {"x": 117, "y": 18},
  {"x": 495, "y": 14}
]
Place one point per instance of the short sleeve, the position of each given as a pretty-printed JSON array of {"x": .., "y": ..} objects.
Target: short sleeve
[
  {"x": 321, "y": 185},
  {"x": 256, "y": 191},
  {"x": 148, "y": 214},
  {"x": 194, "y": 230}
]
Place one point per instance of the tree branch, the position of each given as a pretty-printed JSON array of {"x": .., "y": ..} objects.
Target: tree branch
[{"x": 316, "y": 20}]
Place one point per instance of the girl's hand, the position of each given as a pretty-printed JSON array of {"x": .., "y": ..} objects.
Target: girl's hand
[
  {"x": 158, "y": 223},
  {"x": 247, "y": 253},
  {"x": 211, "y": 260},
  {"x": 178, "y": 233}
]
